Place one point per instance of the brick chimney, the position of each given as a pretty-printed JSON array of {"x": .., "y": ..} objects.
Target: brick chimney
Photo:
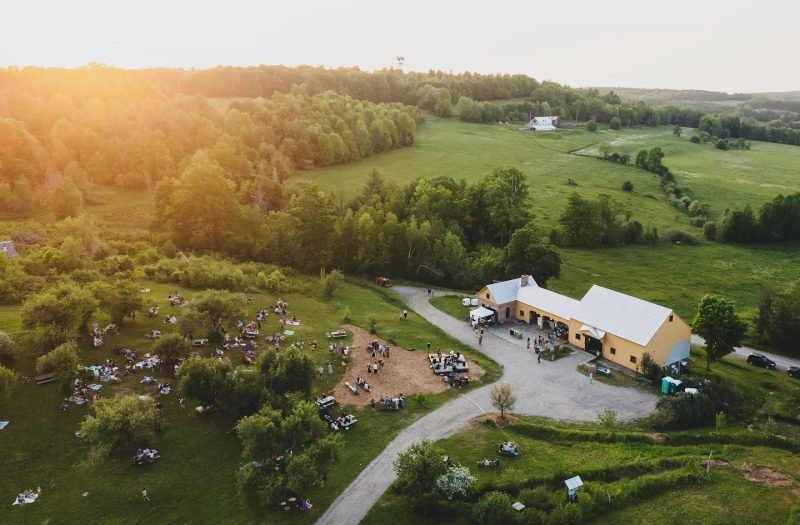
[{"x": 523, "y": 280}]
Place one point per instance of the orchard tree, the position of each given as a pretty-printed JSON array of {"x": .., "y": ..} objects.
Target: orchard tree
[
  {"x": 120, "y": 299},
  {"x": 676, "y": 130},
  {"x": 203, "y": 379},
  {"x": 418, "y": 468},
  {"x": 66, "y": 307},
  {"x": 63, "y": 362},
  {"x": 503, "y": 398},
  {"x": 6, "y": 348},
  {"x": 289, "y": 370},
  {"x": 717, "y": 323},
  {"x": 219, "y": 307},
  {"x": 121, "y": 422},
  {"x": 8, "y": 379},
  {"x": 171, "y": 348}
]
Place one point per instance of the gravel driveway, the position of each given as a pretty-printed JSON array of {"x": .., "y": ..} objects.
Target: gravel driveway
[{"x": 551, "y": 389}]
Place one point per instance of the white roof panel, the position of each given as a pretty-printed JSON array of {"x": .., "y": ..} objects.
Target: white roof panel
[
  {"x": 481, "y": 312},
  {"x": 506, "y": 291},
  {"x": 622, "y": 315},
  {"x": 549, "y": 301}
]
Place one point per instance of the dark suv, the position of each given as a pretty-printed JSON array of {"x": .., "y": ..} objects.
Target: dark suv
[
  {"x": 760, "y": 360},
  {"x": 794, "y": 371}
]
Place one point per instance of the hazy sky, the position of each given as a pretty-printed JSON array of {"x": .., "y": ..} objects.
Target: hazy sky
[{"x": 730, "y": 46}]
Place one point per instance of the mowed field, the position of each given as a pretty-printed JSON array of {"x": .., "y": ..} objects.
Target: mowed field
[{"x": 675, "y": 276}]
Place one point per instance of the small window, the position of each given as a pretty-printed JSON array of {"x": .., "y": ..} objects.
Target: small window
[
  {"x": 522, "y": 313},
  {"x": 670, "y": 318},
  {"x": 633, "y": 359},
  {"x": 487, "y": 296},
  {"x": 577, "y": 336},
  {"x": 613, "y": 350}
]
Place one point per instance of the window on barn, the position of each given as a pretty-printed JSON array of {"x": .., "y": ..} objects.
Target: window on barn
[
  {"x": 613, "y": 350},
  {"x": 670, "y": 318},
  {"x": 577, "y": 336},
  {"x": 633, "y": 359},
  {"x": 487, "y": 296},
  {"x": 522, "y": 313}
]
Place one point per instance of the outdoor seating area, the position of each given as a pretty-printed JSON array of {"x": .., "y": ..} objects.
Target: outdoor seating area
[
  {"x": 28, "y": 496},
  {"x": 508, "y": 449},
  {"x": 444, "y": 364},
  {"x": 145, "y": 456},
  {"x": 338, "y": 334},
  {"x": 390, "y": 403}
]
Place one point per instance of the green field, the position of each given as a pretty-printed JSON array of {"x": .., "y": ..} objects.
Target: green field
[
  {"x": 196, "y": 475},
  {"x": 675, "y": 276}
]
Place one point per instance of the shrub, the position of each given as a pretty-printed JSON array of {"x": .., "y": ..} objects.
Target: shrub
[
  {"x": 627, "y": 186},
  {"x": 678, "y": 237},
  {"x": 571, "y": 182},
  {"x": 614, "y": 123},
  {"x": 695, "y": 139},
  {"x": 608, "y": 419},
  {"x": 538, "y": 498},
  {"x": 494, "y": 508},
  {"x": 591, "y": 125},
  {"x": 697, "y": 221},
  {"x": 710, "y": 230}
]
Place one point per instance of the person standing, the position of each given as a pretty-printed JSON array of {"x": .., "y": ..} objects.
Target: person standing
[
  {"x": 529, "y": 343},
  {"x": 330, "y": 368},
  {"x": 480, "y": 340},
  {"x": 145, "y": 497},
  {"x": 405, "y": 315},
  {"x": 539, "y": 358},
  {"x": 429, "y": 348},
  {"x": 591, "y": 378}
]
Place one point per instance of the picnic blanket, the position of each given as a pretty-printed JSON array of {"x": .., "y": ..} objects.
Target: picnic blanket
[
  {"x": 95, "y": 386},
  {"x": 4, "y": 424},
  {"x": 79, "y": 400},
  {"x": 30, "y": 498},
  {"x": 288, "y": 332},
  {"x": 293, "y": 323}
]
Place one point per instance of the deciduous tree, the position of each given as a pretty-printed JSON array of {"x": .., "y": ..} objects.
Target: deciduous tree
[{"x": 717, "y": 323}]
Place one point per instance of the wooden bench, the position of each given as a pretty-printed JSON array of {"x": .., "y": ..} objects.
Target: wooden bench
[{"x": 45, "y": 378}]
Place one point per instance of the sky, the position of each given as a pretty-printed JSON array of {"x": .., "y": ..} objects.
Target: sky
[{"x": 732, "y": 46}]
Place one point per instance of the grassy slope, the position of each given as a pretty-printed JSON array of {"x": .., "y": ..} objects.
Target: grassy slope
[
  {"x": 676, "y": 276},
  {"x": 196, "y": 476},
  {"x": 726, "y": 489}
]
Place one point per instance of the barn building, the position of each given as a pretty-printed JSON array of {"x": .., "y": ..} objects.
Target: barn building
[{"x": 543, "y": 124}]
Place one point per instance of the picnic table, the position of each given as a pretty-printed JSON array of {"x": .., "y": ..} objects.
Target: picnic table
[
  {"x": 337, "y": 334},
  {"x": 326, "y": 402},
  {"x": 45, "y": 378}
]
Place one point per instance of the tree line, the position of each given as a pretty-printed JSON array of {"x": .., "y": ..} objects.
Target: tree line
[
  {"x": 73, "y": 147},
  {"x": 776, "y": 221}
]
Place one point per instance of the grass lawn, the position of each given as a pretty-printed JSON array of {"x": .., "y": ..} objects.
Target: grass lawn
[
  {"x": 541, "y": 459},
  {"x": 196, "y": 475},
  {"x": 451, "y": 305}
]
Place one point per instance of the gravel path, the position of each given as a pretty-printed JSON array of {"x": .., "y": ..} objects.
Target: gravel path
[{"x": 551, "y": 389}]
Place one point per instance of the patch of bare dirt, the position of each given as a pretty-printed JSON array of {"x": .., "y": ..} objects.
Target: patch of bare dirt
[
  {"x": 767, "y": 477},
  {"x": 658, "y": 437},
  {"x": 123, "y": 391},
  {"x": 404, "y": 372},
  {"x": 496, "y": 419},
  {"x": 715, "y": 464}
]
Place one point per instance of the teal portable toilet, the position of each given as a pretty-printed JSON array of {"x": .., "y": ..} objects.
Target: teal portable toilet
[{"x": 666, "y": 381}]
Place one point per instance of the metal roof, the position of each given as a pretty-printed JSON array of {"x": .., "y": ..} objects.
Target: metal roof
[
  {"x": 573, "y": 483},
  {"x": 550, "y": 302},
  {"x": 506, "y": 291},
  {"x": 622, "y": 315}
]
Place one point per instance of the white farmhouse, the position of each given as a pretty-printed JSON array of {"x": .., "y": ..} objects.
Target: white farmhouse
[{"x": 543, "y": 123}]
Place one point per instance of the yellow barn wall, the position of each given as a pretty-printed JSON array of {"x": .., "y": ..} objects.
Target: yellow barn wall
[
  {"x": 526, "y": 308},
  {"x": 659, "y": 346}
]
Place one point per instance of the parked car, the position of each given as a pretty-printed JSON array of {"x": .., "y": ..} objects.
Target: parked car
[
  {"x": 760, "y": 360},
  {"x": 794, "y": 371}
]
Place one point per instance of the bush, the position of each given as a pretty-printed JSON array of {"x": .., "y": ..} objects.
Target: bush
[
  {"x": 494, "y": 508},
  {"x": 723, "y": 145},
  {"x": 627, "y": 186},
  {"x": 537, "y": 498},
  {"x": 614, "y": 123},
  {"x": 678, "y": 237},
  {"x": 697, "y": 221},
  {"x": 710, "y": 230},
  {"x": 695, "y": 139},
  {"x": 571, "y": 182},
  {"x": 692, "y": 410},
  {"x": 591, "y": 125}
]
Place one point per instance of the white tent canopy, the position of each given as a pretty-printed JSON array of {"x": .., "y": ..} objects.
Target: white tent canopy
[{"x": 480, "y": 313}]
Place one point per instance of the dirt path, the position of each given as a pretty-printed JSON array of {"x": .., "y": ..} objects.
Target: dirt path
[
  {"x": 404, "y": 372},
  {"x": 552, "y": 389}
]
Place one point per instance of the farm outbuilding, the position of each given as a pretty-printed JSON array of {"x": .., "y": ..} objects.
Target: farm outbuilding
[
  {"x": 543, "y": 124},
  {"x": 606, "y": 323}
]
